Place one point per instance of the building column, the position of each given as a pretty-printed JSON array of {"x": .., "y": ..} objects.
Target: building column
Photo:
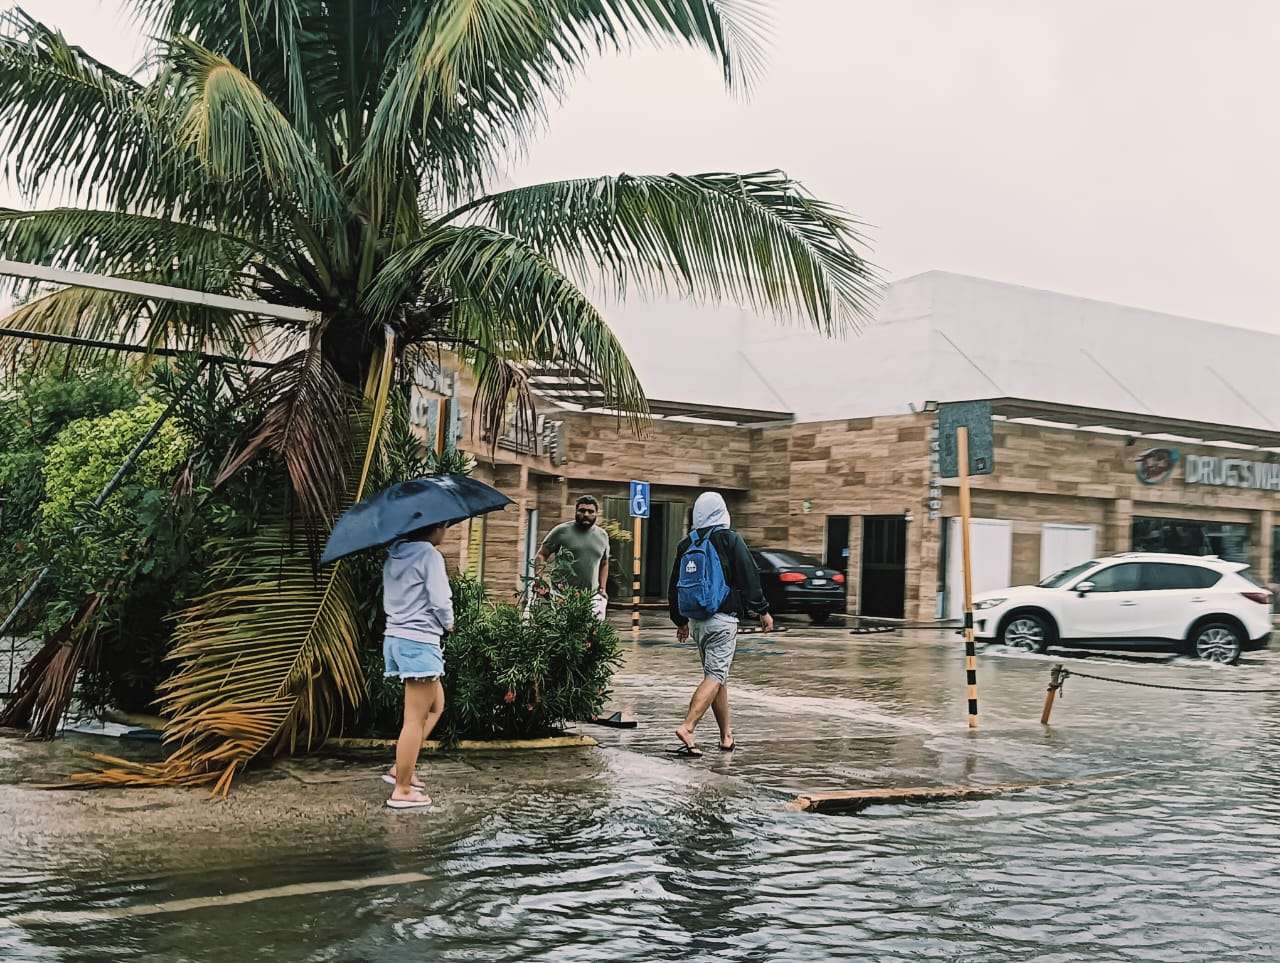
[
  {"x": 1262, "y": 547},
  {"x": 853, "y": 572},
  {"x": 1118, "y": 530},
  {"x": 926, "y": 569}
]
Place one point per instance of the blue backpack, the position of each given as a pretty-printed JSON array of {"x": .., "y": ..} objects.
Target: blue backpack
[{"x": 701, "y": 588}]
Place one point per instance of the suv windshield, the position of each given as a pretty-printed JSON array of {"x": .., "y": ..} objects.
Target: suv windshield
[{"x": 1059, "y": 579}]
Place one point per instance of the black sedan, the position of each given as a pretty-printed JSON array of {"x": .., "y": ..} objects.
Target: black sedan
[{"x": 794, "y": 582}]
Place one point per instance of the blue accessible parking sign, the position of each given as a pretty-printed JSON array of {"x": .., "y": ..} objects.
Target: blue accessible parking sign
[{"x": 639, "y": 499}]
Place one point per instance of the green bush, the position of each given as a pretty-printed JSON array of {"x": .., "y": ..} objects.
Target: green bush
[
  {"x": 144, "y": 550},
  {"x": 507, "y": 674},
  {"x": 82, "y": 460},
  {"x": 34, "y": 408}
]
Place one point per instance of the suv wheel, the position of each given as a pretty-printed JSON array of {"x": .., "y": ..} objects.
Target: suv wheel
[
  {"x": 1217, "y": 641},
  {"x": 1026, "y": 631}
]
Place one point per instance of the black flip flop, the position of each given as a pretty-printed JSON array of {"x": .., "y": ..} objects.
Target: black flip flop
[
  {"x": 730, "y": 747},
  {"x": 687, "y": 752}
]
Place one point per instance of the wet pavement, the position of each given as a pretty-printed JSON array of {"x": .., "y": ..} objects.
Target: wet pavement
[{"x": 626, "y": 853}]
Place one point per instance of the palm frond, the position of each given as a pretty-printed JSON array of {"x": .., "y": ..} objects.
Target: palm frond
[
  {"x": 67, "y": 116},
  {"x": 268, "y": 662},
  {"x": 757, "y": 239},
  {"x": 510, "y": 303},
  {"x": 306, "y": 419},
  {"x": 473, "y": 77},
  {"x": 238, "y": 133},
  {"x": 108, "y": 242},
  {"x": 73, "y": 312}
]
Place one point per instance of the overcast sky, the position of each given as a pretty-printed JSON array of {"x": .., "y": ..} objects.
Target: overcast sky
[{"x": 1124, "y": 150}]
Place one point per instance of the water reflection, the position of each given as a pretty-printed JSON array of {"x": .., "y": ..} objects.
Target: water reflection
[{"x": 648, "y": 858}]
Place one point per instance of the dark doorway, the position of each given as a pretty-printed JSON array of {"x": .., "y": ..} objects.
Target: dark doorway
[
  {"x": 837, "y": 543},
  {"x": 656, "y": 550},
  {"x": 884, "y": 566}
]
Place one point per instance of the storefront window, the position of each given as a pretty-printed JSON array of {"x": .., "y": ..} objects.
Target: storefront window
[{"x": 1185, "y": 537}]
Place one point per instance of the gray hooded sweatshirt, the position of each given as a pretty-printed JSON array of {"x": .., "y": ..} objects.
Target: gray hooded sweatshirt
[
  {"x": 711, "y": 515},
  {"x": 416, "y": 593},
  {"x": 710, "y": 511}
]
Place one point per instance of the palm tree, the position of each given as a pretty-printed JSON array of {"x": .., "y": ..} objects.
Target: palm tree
[{"x": 339, "y": 156}]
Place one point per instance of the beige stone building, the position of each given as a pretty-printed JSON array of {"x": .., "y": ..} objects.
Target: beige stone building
[{"x": 1090, "y": 457}]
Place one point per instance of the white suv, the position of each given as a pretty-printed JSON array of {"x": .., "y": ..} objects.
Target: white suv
[{"x": 1201, "y": 605}]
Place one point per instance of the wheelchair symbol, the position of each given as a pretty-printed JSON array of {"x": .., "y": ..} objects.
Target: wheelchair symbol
[{"x": 639, "y": 499}]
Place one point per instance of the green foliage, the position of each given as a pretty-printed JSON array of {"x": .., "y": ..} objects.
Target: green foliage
[
  {"x": 508, "y": 673},
  {"x": 83, "y": 459},
  {"x": 34, "y": 408}
]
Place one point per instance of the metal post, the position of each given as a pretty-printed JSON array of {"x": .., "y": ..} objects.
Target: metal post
[
  {"x": 635, "y": 577},
  {"x": 970, "y": 654},
  {"x": 106, "y": 492},
  {"x": 1055, "y": 686}
]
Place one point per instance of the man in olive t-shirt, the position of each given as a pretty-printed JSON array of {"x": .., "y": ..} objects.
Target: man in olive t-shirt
[{"x": 589, "y": 546}]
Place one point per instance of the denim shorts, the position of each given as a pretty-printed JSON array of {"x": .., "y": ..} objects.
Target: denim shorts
[{"x": 407, "y": 659}]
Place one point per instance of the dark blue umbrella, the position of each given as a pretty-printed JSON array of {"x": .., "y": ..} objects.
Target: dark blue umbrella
[{"x": 407, "y": 507}]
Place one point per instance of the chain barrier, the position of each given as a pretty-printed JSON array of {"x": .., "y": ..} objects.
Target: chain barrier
[
  {"x": 1153, "y": 685},
  {"x": 1059, "y": 675}
]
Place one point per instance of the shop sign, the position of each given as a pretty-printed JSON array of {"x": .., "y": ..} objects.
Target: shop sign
[
  {"x": 1156, "y": 464},
  {"x": 1233, "y": 473}
]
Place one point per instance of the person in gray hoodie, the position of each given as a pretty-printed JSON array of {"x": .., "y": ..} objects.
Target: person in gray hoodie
[
  {"x": 419, "y": 607},
  {"x": 716, "y": 636}
]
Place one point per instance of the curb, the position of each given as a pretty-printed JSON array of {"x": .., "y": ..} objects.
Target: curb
[
  {"x": 140, "y": 720},
  {"x": 343, "y": 744}
]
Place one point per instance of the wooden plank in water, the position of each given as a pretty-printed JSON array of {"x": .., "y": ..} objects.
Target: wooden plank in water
[{"x": 856, "y": 800}]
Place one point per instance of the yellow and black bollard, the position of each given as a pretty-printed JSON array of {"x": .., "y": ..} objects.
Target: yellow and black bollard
[
  {"x": 635, "y": 579},
  {"x": 970, "y": 654}
]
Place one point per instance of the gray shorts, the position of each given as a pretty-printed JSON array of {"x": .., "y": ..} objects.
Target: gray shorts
[{"x": 717, "y": 640}]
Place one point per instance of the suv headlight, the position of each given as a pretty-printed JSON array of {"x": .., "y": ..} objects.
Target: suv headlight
[{"x": 988, "y": 604}]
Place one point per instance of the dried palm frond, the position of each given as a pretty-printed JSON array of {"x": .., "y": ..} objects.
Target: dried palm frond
[
  {"x": 268, "y": 660},
  {"x": 306, "y": 421}
]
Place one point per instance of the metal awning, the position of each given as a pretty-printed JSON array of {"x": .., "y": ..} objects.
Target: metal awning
[
  {"x": 565, "y": 386},
  {"x": 1079, "y": 416}
]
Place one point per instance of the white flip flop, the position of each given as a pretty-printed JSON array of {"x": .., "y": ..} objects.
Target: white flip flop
[
  {"x": 390, "y": 780},
  {"x": 409, "y": 803}
]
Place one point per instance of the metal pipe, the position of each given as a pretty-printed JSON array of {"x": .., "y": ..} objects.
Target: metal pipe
[
  {"x": 130, "y": 348},
  {"x": 161, "y": 292}
]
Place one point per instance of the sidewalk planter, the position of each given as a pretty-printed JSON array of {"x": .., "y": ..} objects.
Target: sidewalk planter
[{"x": 340, "y": 745}]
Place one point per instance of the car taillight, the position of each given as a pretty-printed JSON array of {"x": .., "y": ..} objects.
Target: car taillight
[
  {"x": 1262, "y": 598},
  {"x": 792, "y": 577},
  {"x": 838, "y": 578}
]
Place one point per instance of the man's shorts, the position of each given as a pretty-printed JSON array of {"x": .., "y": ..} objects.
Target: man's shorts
[
  {"x": 717, "y": 640},
  {"x": 600, "y": 606},
  {"x": 407, "y": 659}
]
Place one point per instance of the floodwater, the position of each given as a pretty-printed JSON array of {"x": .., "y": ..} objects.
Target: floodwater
[{"x": 1163, "y": 843}]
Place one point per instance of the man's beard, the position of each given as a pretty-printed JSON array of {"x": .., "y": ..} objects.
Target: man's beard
[{"x": 585, "y": 522}]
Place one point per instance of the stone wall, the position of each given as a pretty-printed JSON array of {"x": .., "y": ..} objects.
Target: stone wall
[{"x": 803, "y": 474}]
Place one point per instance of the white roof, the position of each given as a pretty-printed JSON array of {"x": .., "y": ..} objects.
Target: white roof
[{"x": 948, "y": 337}]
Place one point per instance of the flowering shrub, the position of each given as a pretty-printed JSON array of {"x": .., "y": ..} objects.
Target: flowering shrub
[{"x": 510, "y": 674}]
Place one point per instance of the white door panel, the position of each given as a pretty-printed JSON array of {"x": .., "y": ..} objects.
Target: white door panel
[
  {"x": 1062, "y": 546},
  {"x": 991, "y": 543}
]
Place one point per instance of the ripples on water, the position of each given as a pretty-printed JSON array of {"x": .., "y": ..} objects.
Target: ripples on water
[{"x": 1177, "y": 859}]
